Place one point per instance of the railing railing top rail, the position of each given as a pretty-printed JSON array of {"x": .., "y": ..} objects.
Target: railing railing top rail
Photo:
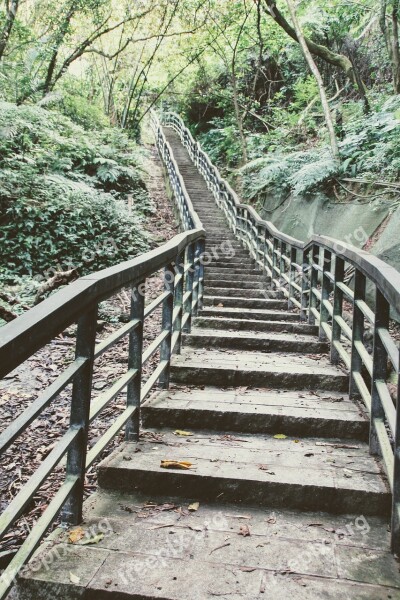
[
  {"x": 77, "y": 303},
  {"x": 326, "y": 279}
]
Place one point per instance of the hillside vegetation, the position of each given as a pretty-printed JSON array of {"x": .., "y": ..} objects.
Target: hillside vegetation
[{"x": 296, "y": 102}]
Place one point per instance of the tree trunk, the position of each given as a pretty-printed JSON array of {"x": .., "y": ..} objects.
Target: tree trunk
[
  {"x": 10, "y": 18},
  {"x": 395, "y": 47},
  {"x": 338, "y": 60},
  {"x": 238, "y": 115},
  {"x": 318, "y": 77},
  {"x": 47, "y": 86}
]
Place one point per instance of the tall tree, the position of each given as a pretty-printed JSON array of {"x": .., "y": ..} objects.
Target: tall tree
[
  {"x": 11, "y": 13},
  {"x": 338, "y": 60},
  {"x": 315, "y": 71}
]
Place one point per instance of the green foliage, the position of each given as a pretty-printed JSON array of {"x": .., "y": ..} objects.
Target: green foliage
[
  {"x": 222, "y": 143},
  {"x": 372, "y": 144},
  {"x": 62, "y": 193},
  {"x": 370, "y": 149},
  {"x": 300, "y": 173},
  {"x": 80, "y": 228}
]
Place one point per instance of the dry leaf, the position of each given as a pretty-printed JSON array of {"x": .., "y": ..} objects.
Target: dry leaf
[
  {"x": 175, "y": 464},
  {"x": 280, "y": 436},
  {"x": 94, "y": 540},
  {"x": 182, "y": 433},
  {"x": 74, "y": 578},
  {"x": 194, "y": 506},
  {"x": 75, "y": 535},
  {"x": 244, "y": 530}
]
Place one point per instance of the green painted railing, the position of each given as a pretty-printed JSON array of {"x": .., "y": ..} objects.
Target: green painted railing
[{"x": 312, "y": 276}]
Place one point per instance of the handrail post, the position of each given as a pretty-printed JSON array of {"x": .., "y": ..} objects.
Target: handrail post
[
  {"x": 178, "y": 301},
  {"x": 80, "y": 409},
  {"x": 282, "y": 264},
  {"x": 395, "y": 530},
  {"x": 166, "y": 323},
  {"x": 358, "y": 331},
  {"x": 135, "y": 361},
  {"x": 189, "y": 278},
  {"x": 265, "y": 250},
  {"x": 305, "y": 285},
  {"x": 292, "y": 275},
  {"x": 199, "y": 275},
  {"x": 313, "y": 282},
  {"x": 380, "y": 356},
  {"x": 325, "y": 291},
  {"x": 337, "y": 309},
  {"x": 274, "y": 257}
]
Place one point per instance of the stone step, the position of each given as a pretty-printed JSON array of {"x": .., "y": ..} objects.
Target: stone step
[
  {"x": 248, "y": 290},
  {"x": 254, "y": 340},
  {"x": 163, "y": 551},
  {"x": 248, "y": 274},
  {"x": 253, "y": 369},
  {"x": 231, "y": 263},
  {"x": 226, "y": 324},
  {"x": 236, "y": 312},
  {"x": 240, "y": 302},
  {"x": 243, "y": 283},
  {"x": 228, "y": 261},
  {"x": 257, "y": 411},
  {"x": 221, "y": 254},
  {"x": 286, "y": 473},
  {"x": 232, "y": 247}
]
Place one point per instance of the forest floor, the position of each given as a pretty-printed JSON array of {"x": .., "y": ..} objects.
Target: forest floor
[{"x": 24, "y": 384}]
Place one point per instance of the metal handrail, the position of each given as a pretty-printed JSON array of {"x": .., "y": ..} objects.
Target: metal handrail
[
  {"x": 78, "y": 304},
  {"x": 311, "y": 275}
]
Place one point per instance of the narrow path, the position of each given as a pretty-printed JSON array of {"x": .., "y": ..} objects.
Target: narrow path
[{"x": 273, "y": 439}]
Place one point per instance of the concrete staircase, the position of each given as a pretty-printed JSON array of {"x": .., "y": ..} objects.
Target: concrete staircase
[{"x": 291, "y": 504}]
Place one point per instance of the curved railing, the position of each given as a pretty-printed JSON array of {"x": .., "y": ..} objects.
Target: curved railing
[
  {"x": 313, "y": 275},
  {"x": 77, "y": 303}
]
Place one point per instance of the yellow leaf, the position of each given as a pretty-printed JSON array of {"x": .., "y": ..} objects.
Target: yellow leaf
[
  {"x": 280, "y": 436},
  {"x": 175, "y": 464},
  {"x": 94, "y": 540},
  {"x": 74, "y": 578},
  {"x": 194, "y": 506},
  {"x": 75, "y": 535},
  {"x": 182, "y": 433}
]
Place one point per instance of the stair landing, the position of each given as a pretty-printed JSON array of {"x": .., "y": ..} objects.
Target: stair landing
[{"x": 161, "y": 550}]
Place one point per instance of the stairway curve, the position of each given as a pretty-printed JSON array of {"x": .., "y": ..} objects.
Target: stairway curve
[{"x": 281, "y": 497}]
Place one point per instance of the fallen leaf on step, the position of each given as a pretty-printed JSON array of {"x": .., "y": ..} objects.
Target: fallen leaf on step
[
  {"x": 247, "y": 569},
  {"x": 266, "y": 469},
  {"x": 175, "y": 464},
  {"x": 244, "y": 530},
  {"x": 93, "y": 540},
  {"x": 194, "y": 506},
  {"x": 75, "y": 535},
  {"x": 182, "y": 433},
  {"x": 74, "y": 578},
  {"x": 242, "y": 390},
  {"x": 280, "y": 436}
]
